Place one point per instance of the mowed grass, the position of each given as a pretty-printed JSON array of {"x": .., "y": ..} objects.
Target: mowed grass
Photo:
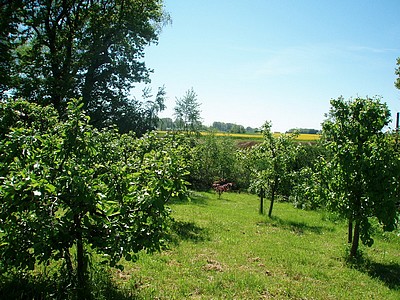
[{"x": 225, "y": 250}]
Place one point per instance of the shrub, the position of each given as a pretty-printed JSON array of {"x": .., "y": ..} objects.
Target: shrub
[
  {"x": 66, "y": 185},
  {"x": 212, "y": 158}
]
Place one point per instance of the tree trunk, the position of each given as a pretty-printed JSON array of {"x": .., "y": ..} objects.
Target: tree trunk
[
  {"x": 356, "y": 238},
  {"x": 262, "y": 202},
  {"x": 81, "y": 263},
  {"x": 272, "y": 203},
  {"x": 68, "y": 262},
  {"x": 350, "y": 231}
]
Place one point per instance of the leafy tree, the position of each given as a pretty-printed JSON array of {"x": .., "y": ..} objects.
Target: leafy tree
[
  {"x": 165, "y": 124},
  {"x": 237, "y": 129},
  {"x": 244, "y": 168},
  {"x": 221, "y": 126},
  {"x": 362, "y": 169},
  {"x": 271, "y": 165},
  {"x": 139, "y": 116},
  {"x": 251, "y": 130},
  {"x": 65, "y": 186},
  {"x": 187, "y": 112},
  {"x": 8, "y": 15},
  {"x": 55, "y": 50},
  {"x": 308, "y": 182},
  {"x": 212, "y": 159}
]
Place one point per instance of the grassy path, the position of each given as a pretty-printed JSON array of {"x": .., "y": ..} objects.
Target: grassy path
[{"x": 226, "y": 250}]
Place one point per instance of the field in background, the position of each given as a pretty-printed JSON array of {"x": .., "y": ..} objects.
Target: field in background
[
  {"x": 258, "y": 136},
  {"x": 225, "y": 250}
]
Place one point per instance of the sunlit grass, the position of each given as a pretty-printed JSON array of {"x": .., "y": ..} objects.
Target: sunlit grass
[
  {"x": 223, "y": 249},
  {"x": 227, "y": 250}
]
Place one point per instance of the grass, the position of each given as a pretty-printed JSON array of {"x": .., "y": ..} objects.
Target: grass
[
  {"x": 227, "y": 250},
  {"x": 223, "y": 249}
]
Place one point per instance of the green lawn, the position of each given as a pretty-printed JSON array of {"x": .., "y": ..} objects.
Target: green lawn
[{"x": 225, "y": 250}]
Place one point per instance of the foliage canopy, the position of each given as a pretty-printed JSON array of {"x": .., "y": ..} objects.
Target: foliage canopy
[
  {"x": 362, "y": 167},
  {"x": 52, "y": 51},
  {"x": 271, "y": 164},
  {"x": 187, "y": 112},
  {"x": 65, "y": 185}
]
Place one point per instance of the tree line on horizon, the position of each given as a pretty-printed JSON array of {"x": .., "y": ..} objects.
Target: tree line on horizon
[
  {"x": 166, "y": 124},
  {"x": 188, "y": 118}
]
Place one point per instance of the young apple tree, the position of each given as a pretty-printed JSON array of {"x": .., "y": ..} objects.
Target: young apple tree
[
  {"x": 362, "y": 167},
  {"x": 271, "y": 161}
]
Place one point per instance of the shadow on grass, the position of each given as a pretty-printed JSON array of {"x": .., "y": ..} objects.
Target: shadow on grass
[
  {"x": 188, "y": 231},
  {"x": 296, "y": 227},
  {"x": 27, "y": 286},
  {"x": 389, "y": 273}
]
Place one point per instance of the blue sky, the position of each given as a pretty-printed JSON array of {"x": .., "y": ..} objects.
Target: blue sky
[{"x": 251, "y": 61}]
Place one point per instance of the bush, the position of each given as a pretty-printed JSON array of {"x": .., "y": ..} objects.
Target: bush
[
  {"x": 307, "y": 184},
  {"x": 213, "y": 158},
  {"x": 65, "y": 185}
]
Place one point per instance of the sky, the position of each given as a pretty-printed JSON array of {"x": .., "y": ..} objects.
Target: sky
[{"x": 251, "y": 61}]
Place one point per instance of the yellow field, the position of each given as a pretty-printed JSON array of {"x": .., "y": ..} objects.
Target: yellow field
[
  {"x": 300, "y": 137},
  {"x": 258, "y": 136},
  {"x": 308, "y": 137}
]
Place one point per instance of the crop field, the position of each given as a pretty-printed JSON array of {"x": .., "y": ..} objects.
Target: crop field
[
  {"x": 225, "y": 250},
  {"x": 257, "y": 136}
]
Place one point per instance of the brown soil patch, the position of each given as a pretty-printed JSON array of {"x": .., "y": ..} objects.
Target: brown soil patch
[{"x": 213, "y": 265}]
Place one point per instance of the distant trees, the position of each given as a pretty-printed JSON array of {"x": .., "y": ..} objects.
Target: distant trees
[
  {"x": 251, "y": 130},
  {"x": 178, "y": 123},
  {"x": 361, "y": 169},
  {"x": 52, "y": 51},
  {"x": 187, "y": 112},
  {"x": 165, "y": 124},
  {"x": 303, "y": 131},
  {"x": 228, "y": 127},
  {"x": 231, "y": 127},
  {"x": 170, "y": 124}
]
